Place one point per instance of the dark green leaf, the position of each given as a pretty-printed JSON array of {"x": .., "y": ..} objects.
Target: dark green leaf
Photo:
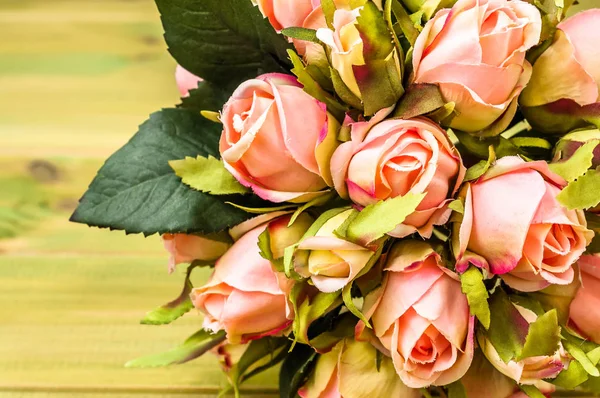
[
  {"x": 196, "y": 345},
  {"x": 137, "y": 191},
  {"x": 207, "y": 97},
  {"x": 223, "y": 41},
  {"x": 295, "y": 370}
]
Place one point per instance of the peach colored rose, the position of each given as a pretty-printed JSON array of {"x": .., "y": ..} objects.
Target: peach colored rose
[
  {"x": 245, "y": 296},
  {"x": 349, "y": 370},
  {"x": 531, "y": 370},
  {"x": 187, "y": 248},
  {"x": 395, "y": 157},
  {"x": 585, "y": 307},
  {"x": 421, "y": 317},
  {"x": 277, "y": 139},
  {"x": 285, "y": 13},
  {"x": 330, "y": 261},
  {"x": 186, "y": 81},
  {"x": 570, "y": 68},
  {"x": 514, "y": 226},
  {"x": 475, "y": 51}
]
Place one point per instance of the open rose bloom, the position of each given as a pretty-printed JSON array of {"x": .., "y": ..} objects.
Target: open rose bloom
[
  {"x": 390, "y": 198},
  {"x": 514, "y": 226}
]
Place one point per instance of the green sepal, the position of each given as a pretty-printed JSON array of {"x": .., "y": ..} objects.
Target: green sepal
[
  {"x": 531, "y": 142},
  {"x": 543, "y": 337},
  {"x": 328, "y": 7},
  {"x": 508, "y": 329},
  {"x": 457, "y": 205},
  {"x": 406, "y": 24},
  {"x": 299, "y": 33},
  {"x": 480, "y": 146},
  {"x": 379, "y": 80},
  {"x": 583, "y": 193},
  {"x": 579, "y": 354},
  {"x": 343, "y": 91},
  {"x": 318, "y": 201},
  {"x": 312, "y": 87},
  {"x": 456, "y": 390},
  {"x": 310, "y": 310},
  {"x": 260, "y": 355},
  {"x": 578, "y": 164},
  {"x": 207, "y": 175},
  {"x": 196, "y": 345},
  {"x": 477, "y": 295},
  {"x": 343, "y": 327},
  {"x": 419, "y": 99},
  {"x": 479, "y": 169},
  {"x": 562, "y": 116},
  {"x": 531, "y": 391},
  {"x": 571, "y": 377},
  {"x": 262, "y": 210},
  {"x": 376, "y": 220}
]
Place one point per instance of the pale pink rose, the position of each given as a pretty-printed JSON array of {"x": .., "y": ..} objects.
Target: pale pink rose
[
  {"x": 514, "y": 226},
  {"x": 421, "y": 317},
  {"x": 585, "y": 307},
  {"x": 570, "y": 67},
  {"x": 285, "y": 13},
  {"x": 395, "y": 157},
  {"x": 186, "y": 81},
  {"x": 349, "y": 370},
  {"x": 185, "y": 248},
  {"x": 530, "y": 370},
  {"x": 475, "y": 51},
  {"x": 277, "y": 139},
  {"x": 245, "y": 296}
]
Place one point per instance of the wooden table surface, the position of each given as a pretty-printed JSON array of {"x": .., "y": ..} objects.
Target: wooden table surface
[{"x": 76, "y": 79}]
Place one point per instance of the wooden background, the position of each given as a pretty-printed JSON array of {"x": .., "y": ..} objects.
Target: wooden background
[{"x": 76, "y": 79}]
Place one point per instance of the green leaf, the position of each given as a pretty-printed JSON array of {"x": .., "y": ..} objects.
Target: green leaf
[
  {"x": 578, "y": 164},
  {"x": 312, "y": 309},
  {"x": 318, "y": 201},
  {"x": 477, "y": 295},
  {"x": 207, "y": 175},
  {"x": 456, "y": 390},
  {"x": 531, "y": 142},
  {"x": 329, "y": 8},
  {"x": 223, "y": 41},
  {"x": 374, "y": 221},
  {"x": 584, "y": 193},
  {"x": 531, "y": 391},
  {"x": 343, "y": 327},
  {"x": 543, "y": 337},
  {"x": 582, "y": 358},
  {"x": 207, "y": 97},
  {"x": 138, "y": 192},
  {"x": 571, "y": 377},
  {"x": 174, "y": 309},
  {"x": 301, "y": 34},
  {"x": 295, "y": 370},
  {"x": 343, "y": 91},
  {"x": 196, "y": 345},
  {"x": 457, "y": 205},
  {"x": 508, "y": 329},
  {"x": 419, "y": 99},
  {"x": 259, "y": 356}
]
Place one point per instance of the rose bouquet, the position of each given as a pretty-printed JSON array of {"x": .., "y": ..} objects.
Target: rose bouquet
[{"x": 398, "y": 198}]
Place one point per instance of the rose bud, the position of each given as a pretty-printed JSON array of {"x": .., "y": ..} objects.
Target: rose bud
[
  {"x": 564, "y": 91},
  {"x": 245, "y": 296},
  {"x": 329, "y": 260},
  {"x": 285, "y": 13},
  {"x": 421, "y": 317},
  {"x": 514, "y": 226},
  {"x": 186, "y": 81},
  {"x": 531, "y": 370},
  {"x": 350, "y": 370},
  {"x": 585, "y": 307},
  {"x": 570, "y": 143},
  {"x": 475, "y": 52},
  {"x": 277, "y": 139},
  {"x": 185, "y": 248},
  {"x": 396, "y": 157}
]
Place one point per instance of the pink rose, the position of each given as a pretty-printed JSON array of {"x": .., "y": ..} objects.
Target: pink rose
[
  {"x": 585, "y": 307},
  {"x": 245, "y": 296},
  {"x": 530, "y": 370},
  {"x": 277, "y": 139},
  {"x": 187, "y": 248},
  {"x": 566, "y": 77},
  {"x": 514, "y": 226},
  {"x": 285, "y": 13},
  {"x": 349, "y": 370},
  {"x": 186, "y": 81},
  {"x": 395, "y": 157},
  {"x": 421, "y": 317},
  {"x": 475, "y": 51}
]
